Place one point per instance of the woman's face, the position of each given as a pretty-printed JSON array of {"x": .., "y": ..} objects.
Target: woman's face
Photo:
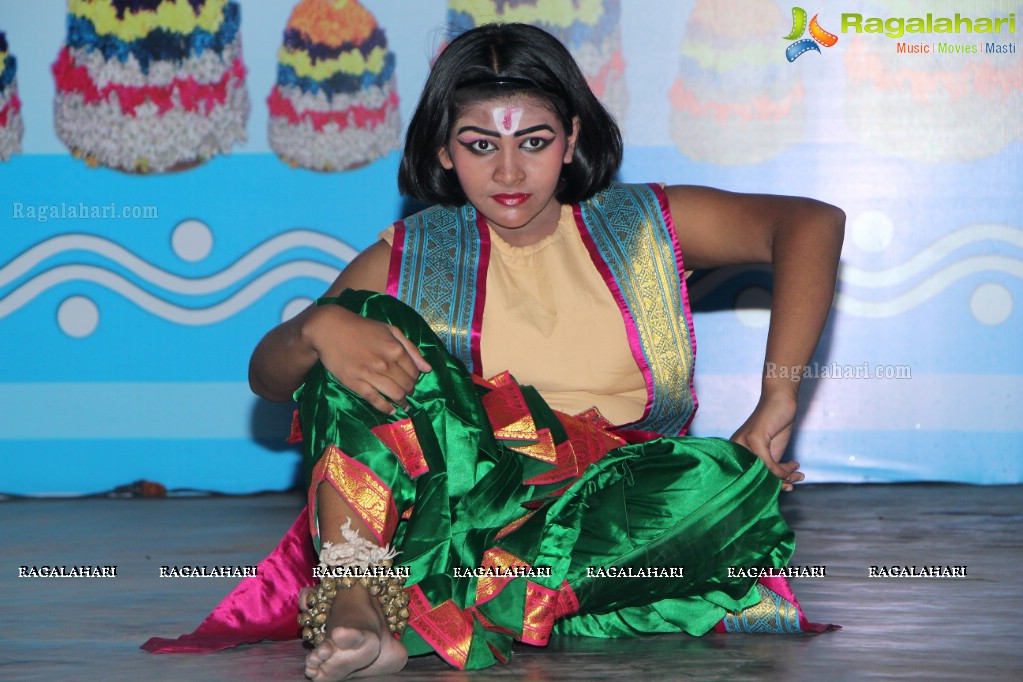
[{"x": 507, "y": 154}]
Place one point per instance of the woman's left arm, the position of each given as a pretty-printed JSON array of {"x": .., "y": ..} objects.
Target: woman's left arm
[{"x": 802, "y": 240}]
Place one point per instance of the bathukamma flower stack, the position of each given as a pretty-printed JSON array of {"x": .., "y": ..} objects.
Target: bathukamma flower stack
[
  {"x": 335, "y": 103},
  {"x": 11, "y": 126},
  {"x": 151, "y": 85}
]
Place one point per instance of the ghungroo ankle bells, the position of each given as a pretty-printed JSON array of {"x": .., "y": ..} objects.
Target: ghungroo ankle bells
[{"x": 344, "y": 565}]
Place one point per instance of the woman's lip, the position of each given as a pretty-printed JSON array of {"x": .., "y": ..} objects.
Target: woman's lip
[{"x": 511, "y": 199}]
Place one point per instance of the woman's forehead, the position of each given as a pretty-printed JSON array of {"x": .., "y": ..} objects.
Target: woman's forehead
[{"x": 522, "y": 106}]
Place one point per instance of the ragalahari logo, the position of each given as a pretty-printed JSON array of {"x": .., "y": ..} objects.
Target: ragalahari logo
[{"x": 818, "y": 35}]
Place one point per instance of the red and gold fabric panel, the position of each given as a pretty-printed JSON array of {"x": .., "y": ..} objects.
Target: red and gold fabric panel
[
  {"x": 400, "y": 438},
  {"x": 364, "y": 492},
  {"x": 445, "y": 627}
]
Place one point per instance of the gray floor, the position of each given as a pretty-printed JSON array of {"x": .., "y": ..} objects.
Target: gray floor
[{"x": 893, "y": 629}]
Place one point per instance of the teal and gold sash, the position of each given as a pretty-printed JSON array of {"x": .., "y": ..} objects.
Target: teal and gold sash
[
  {"x": 628, "y": 231},
  {"x": 439, "y": 269}
]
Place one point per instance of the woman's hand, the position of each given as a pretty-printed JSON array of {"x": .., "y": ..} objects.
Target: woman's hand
[
  {"x": 767, "y": 431},
  {"x": 373, "y": 359}
]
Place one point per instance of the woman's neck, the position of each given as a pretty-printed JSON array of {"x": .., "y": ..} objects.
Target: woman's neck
[{"x": 541, "y": 227}]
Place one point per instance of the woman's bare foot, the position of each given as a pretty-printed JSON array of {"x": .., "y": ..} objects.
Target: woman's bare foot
[{"x": 358, "y": 644}]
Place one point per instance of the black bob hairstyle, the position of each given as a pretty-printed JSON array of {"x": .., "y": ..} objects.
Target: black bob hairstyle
[{"x": 499, "y": 60}]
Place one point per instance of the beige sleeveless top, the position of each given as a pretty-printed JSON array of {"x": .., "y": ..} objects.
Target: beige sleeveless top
[{"x": 551, "y": 321}]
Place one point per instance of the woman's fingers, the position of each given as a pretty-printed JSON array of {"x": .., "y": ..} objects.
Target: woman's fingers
[
  {"x": 788, "y": 472},
  {"x": 411, "y": 351},
  {"x": 373, "y": 359},
  {"x": 760, "y": 445},
  {"x": 371, "y": 395}
]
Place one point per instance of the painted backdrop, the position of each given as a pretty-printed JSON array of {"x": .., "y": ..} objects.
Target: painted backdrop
[{"x": 173, "y": 184}]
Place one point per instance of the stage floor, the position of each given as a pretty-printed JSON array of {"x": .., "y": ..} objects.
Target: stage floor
[{"x": 965, "y": 628}]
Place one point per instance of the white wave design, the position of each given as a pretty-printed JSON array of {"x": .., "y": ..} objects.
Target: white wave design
[
  {"x": 149, "y": 274},
  {"x": 236, "y": 272},
  {"x": 929, "y": 288},
  {"x": 927, "y": 259},
  {"x": 260, "y": 255},
  {"x": 932, "y": 255},
  {"x": 243, "y": 298}
]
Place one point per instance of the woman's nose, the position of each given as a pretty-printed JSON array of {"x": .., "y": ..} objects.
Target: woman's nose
[{"x": 509, "y": 169}]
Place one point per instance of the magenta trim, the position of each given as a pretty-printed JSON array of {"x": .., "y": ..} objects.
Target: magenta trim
[
  {"x": 662, "y": 199},
  {"x": 482, "y": 267},
  {"x": 397, "y": 251},
  {"x": 630, "y": 325}
]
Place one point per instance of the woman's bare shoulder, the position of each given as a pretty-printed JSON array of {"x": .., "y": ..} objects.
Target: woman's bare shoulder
[{"x": 367, "y": 271}]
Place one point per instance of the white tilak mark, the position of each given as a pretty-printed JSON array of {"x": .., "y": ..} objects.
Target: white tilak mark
[{"x": 507, "y": 119}]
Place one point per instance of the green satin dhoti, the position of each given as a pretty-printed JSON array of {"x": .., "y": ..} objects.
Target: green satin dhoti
[{"x": 517, "y": 522}]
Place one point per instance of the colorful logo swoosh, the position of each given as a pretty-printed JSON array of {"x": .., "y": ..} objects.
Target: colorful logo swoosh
[{"x": 818, "y": 36}]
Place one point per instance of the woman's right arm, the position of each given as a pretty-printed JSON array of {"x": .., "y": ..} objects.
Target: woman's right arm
[{"x": 372, "y": 358}]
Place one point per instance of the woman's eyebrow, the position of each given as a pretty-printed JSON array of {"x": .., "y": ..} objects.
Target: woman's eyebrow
[
  {"x": 534, "y": 129},
  {"x": 494, "y": 133}
]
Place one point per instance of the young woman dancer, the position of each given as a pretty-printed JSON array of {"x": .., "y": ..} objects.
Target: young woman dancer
[{"x": 560, "y": 494}]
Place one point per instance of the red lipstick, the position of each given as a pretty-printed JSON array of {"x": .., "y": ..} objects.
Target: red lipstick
[{"x": 511, "y": 199}]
